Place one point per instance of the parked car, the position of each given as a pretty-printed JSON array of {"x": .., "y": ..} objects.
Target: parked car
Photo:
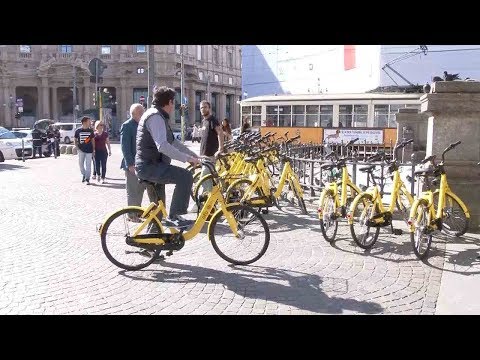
[
  {"x": 67, "y": 131},
  {"x": 11, "y": 146}
]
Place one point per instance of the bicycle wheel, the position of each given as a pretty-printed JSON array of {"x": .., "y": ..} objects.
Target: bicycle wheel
[
  {"x": 236, "y": 192},
  {"x": 454, "y": 220},
  {"x": 328, "y": 220},
  {"x": 421, "y": 240},
  {"x": 403, "y": 205},
  {"x": 119, "y": 248},
  {"x": 364, "y": 235},
  {"x": 252, "y": 240},
  {"x": 196, "y": 177},
  {"x": 300, "y": 201}
]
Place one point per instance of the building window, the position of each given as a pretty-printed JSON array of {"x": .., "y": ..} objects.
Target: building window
[
  {"x": 326, "y": 116},
  {"x": 360, "y": 115},
  {"x": 198, "y": 98},
  {"x": 285, "y": 115},
  {"x": 246, "y": 114},
  {"x": 230, "y": 81},
  {"x": 256, "y": 115},
  {"x": 199, "y": 52},
  {"x": 230, "y": 59},
  {"x": 214, "y": 103},
  {"x": 106, "y": 50},
  {"x": 141, "y": 49},
  {"x": 312, "y": 114},
  {"x": 140, "y": 70},
  {"x": 216, "y": 77},
  {"x": 65, "y": 49},
  {"x": 178, "y": 49},
  {"x": 215, "y": 55},
  {"x": 200, "y": 75},
  {"x": 345, "y": 115},
  {"x": 384, "y": 115},
  {"x": 272, "y": 116},
  {"x": 25, "y": 49},
  {"x": 298, "y": 116}
]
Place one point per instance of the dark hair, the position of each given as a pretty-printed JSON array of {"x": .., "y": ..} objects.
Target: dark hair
[
  {"x": 206, "y": 102},
  {"x": 245, "y": 126},
  {"x": 162, "y": 96},
  {"x": 85, "y": 118},
  {"x": 227, "y": 127}
]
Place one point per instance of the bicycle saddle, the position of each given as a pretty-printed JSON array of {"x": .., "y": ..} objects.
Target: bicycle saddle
[{"x": 367, "y": 168}]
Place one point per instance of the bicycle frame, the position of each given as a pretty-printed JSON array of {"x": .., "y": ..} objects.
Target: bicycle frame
[
  {"x": 153, "y": 210},
  {"x": 398, "y": 185},
  {"x": 442, "y": 192}
]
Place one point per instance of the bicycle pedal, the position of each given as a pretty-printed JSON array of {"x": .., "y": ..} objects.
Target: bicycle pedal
[
  {"x": 169, "y": 253},
  {"x": 397, "y": 232},
  {"x": 264, "y": 211}
]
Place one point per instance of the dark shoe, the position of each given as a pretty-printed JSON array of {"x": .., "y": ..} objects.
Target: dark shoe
[
  {"x": 178, "y": 222},
  {"x": 88, "y": 181},
  {"x": 83, "y": 179}
]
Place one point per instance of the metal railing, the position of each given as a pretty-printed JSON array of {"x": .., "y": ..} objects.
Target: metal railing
[{"x": 306, "y": 161}]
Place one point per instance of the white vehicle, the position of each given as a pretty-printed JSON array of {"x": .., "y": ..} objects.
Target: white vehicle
[
  {"x": 67, "y": 131},
  {"x": 236, "y": 133},
  {"x": 11, "y": 146}
]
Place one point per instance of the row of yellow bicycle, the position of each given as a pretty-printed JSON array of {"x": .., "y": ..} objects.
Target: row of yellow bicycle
[
  {"x": 366, "y": 212},
  {"x": 255, "y": 175}
]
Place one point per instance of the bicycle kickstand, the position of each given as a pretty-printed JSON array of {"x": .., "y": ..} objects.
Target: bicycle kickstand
[{"x": 395, "y": 231}]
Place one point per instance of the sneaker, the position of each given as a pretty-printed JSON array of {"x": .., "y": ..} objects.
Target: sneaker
[
  {"x": 94, "y": 177},
  {"x": 83, "y": 179},
  {"x": 103, "y": 181},
  {"x": 98, "y": 179},
  {"x": 88, "y": 181},
  {"x": 178, "y": 222}
]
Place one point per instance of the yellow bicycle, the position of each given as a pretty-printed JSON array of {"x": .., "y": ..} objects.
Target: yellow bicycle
[
  {"x": 331, "y": 205},
  {"x": 451, "y": 213},
  {"x": 133, "y": 237}
]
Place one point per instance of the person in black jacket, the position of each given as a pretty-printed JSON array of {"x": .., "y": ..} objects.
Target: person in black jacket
[{"x": 37, "y": 142}]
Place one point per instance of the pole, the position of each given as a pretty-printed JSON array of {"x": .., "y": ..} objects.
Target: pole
[
  {"x": 151, "y": 74},
  {"x": 96, "y": 88},
  {"x": 74, "y": 94},
  {"x": 182, "y": 106}
]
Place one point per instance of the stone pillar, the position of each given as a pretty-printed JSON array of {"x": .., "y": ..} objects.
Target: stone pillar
[
  {"x": 87, "y": 93},
  {"x": 81, "y": 99},
  {"x": 123, "y": 107},
  {"x": 54, "y": 104},
  {"x": 453, "y": 108},
  {"x": 5, "y": 103},
  {"x": 44, "y": 99},
  {"x": 221, "y": 106},
  {"x": 412, "y": 125}
]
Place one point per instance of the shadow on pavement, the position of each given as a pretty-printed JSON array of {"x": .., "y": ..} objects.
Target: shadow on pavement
[
  {"x": 4, "y": 166},
  {"x": 296, "y": 289}
]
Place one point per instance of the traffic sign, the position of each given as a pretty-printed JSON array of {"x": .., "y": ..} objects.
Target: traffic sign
[{"x": 92, "y": 66}]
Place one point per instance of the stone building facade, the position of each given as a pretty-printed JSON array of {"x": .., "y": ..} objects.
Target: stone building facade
[{"x": 41, "y": 77}]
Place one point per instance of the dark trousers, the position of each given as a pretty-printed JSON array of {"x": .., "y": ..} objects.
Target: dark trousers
[
  {"x": 168, "y": 174},
  {"x": 38, "y": 149},
  {"x": 101, "y": 160}
]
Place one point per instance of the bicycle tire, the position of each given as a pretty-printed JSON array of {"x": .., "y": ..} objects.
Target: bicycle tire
[
  {"x": 323, "y": 225},
  {"x": 238, "y": 211},
  {"x": 454, "y": 221},
  {"x": 301, "y": 201},
  {"x": 359, "y": 240},
  {"x": 416, "y": 234},
  {"x": 148, "y": 255}
]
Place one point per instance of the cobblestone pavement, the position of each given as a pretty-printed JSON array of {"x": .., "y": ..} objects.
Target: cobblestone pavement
[{"x": 51, "y": 260}]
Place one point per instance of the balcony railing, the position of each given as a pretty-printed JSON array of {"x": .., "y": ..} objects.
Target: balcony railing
[{"x": 24, "y": 55}]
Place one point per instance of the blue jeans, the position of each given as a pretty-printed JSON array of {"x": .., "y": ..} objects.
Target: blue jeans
[
  {"x": 85, "y": 163},
  {"x": 162, "y": 173}
]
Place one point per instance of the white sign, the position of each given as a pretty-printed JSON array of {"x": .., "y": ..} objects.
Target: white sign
[{"x": 336, "y": 136}]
